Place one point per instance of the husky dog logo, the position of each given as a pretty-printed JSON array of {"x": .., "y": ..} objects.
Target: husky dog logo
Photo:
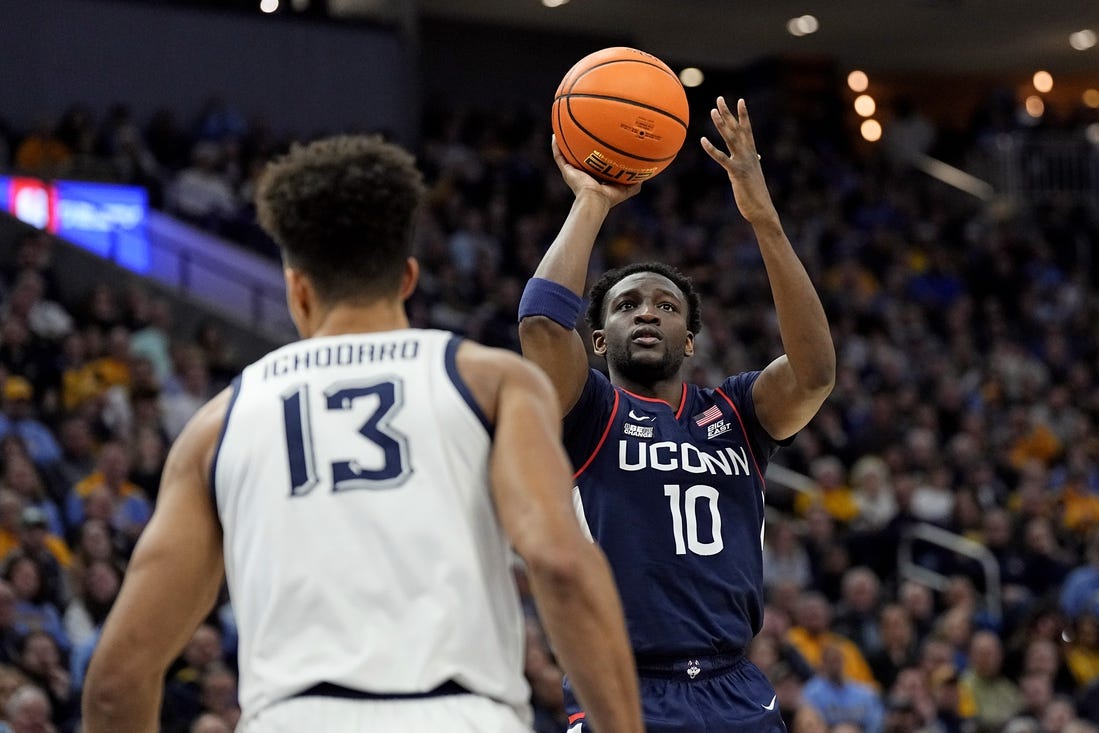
[{"x": 693, "y": 669}]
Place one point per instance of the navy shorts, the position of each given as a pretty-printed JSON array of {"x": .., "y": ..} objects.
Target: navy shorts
[{"x": 721, "y": 694}]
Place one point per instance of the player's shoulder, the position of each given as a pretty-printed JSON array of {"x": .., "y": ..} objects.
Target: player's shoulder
[
  {"x": 200, "y": 436},
  {"x": 492, "y": 368}
]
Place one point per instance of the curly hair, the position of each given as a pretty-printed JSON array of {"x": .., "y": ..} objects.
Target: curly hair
[
  {"x": 342, "y": 210},
  {"x": 597, "y": 296}
]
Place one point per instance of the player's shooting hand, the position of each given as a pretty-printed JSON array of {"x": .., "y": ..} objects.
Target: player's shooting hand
[
  {"x": 742, "y": 163},
  {"x": 583, "y": 184}
]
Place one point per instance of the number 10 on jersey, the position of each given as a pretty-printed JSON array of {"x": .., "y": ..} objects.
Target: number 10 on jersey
[{"x": 685, "y": 519}]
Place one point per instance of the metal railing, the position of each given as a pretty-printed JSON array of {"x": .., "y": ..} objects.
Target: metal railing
[
  {"x": 244, "y": 286},
  {"x": 929, "y": 533},
  {"x": 1039, "y": 167}
]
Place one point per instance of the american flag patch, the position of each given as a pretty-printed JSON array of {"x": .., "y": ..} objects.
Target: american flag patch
[{"x": 705, "y": 418}]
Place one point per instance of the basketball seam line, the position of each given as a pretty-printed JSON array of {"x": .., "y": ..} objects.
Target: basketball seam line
[
  {"x": 609, "y": 98},
  {"x": 621, "y": 61},
  {"x": 588, "y": 132}
]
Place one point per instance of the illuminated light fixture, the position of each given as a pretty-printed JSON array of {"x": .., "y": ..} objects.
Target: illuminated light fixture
[
  {"x": 1043, "y": 81},
  {"x": 268, "y": 6},
  {"x": 865, "y": 105},
  {"x": 1091, "y": 98},
  {"x": 802, "y": 25},
  {"x": 691, "y": 76},
  {"x": 1034, "y": 106},
  {"x": 1091, "y": 132},
  {"x": 554, "y": 3},
  {"x": 871, "y": 130},
  {"x": 858, "y": 81},
  {"x": 1082, "y": 40}
]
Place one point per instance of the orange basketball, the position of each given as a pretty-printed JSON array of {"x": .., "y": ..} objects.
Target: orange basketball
[{"x": 620, "y": 114}]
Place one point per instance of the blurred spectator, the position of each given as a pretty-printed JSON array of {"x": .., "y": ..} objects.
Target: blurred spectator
[
  {"x": 18, "y": 417},
  {"x": 812, "y": 635},
  {"x": 831, "y": 491},
  {"x": 183, "y": 691},
  {"x": 28, "y": 711},
  {"x": 1035, "y": 695},
  {"x": 22, "y": 477},
  {"x": 128, "y": 508},
  {"x": 784, "y": 558},
  {"x": 34, "y": 611},
  {"x": 918, "y": 601},
  {"x": 1080, "y": 591},
  {"x": 42, "y": 153},
  {"x": 77, "y": 456},
  {"x": 1059, "y": 715},
  {"x": 167, "y": 141},
  {"x": 24, "y": 356},
  {"x": 951, "y": 712},
  {"x": 40, "y": 661},
  {"x": 201, "y": 193},
  {"x": 27, "y": 301},
  {"x": 908, "y": 135},
  {"x": 996, "y": 699},
  {"x": 10, "y": 636},
  {"x": 220, "y": 359},
  {"x": 873, "y": 491},
  {"x": 150, "y": 452},
  {"x": 191, "y": 392},
  {"x": 218, "y": 695},
  {"x": 152, "y": 336},
  {"x": 840, "y": 700},
  {"x": 49, "y": 551},
  {"x": 1082, "y": 652},
  {"x": 95, "y": 595},
  {"x": 856, "y": 615},
  {"x": 898, "y": 648}
]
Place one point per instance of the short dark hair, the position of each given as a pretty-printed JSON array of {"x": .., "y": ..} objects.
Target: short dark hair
[
  {"x": 598, "y": 295},
  {"x": 342, "y": 210}
]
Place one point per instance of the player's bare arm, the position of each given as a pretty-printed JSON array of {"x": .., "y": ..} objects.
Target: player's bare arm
[
  {"x": 793, "y": 387},
  {"x": 570, "y": 579},
  {"x": 170, "y": 586},
  {"x": 559, "y": 350}
]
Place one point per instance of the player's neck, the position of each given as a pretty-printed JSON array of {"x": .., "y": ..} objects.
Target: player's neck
[
  {"x": 666, "y": 390},
  {"x": 381, "y": 315}
]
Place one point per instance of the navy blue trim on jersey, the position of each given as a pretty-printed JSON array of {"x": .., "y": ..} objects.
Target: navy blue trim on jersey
[
  {"x": 235, "y": 386},
  {"x": 329, "y": 689},
  {"x": 460, "y": 384}
]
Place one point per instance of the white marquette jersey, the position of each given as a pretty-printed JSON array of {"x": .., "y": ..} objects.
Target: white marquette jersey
[{"x": 362, "y": 547}]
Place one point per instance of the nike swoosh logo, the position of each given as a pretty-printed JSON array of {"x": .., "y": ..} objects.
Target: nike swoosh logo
[
  {"x": 771, "y": 705},
  {"x": 635, "y": 416}
]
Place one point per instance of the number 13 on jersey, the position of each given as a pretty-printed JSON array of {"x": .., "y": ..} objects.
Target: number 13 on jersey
[{"x": 347, "y": 472}]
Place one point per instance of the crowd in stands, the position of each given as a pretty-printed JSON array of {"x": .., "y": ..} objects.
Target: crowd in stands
[{"x": 967, "y": 398}]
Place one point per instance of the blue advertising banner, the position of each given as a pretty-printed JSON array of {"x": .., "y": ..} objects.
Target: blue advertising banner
[{"x": 105, "y": 218}]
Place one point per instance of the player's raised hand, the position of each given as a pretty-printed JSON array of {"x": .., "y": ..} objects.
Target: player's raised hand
[
  {"x": 742, "y": 163},
  {"x": 580, "y": 182}
]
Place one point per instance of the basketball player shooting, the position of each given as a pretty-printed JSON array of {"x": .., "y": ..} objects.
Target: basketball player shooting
[
  {"x": 359, "y": 490},
  {"x": 669, "y": 475}
]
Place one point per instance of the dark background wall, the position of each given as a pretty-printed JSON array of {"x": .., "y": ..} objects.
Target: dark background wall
[{"x": 305, "y": 77}]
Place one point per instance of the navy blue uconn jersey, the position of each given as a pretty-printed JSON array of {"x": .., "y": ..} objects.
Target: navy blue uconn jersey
[{"x": 674, "y": 497}]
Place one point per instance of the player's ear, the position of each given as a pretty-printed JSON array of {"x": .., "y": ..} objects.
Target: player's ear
[
  {"x": 599, "y": 342},
  {"x": 689, "y": 348},
  {"x": 299, "y": 297},
  {"x": 410, "y": 277}
]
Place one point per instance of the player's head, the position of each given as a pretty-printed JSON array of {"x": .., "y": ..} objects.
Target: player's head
[
  {"x": 644, "y": 318},
  {"x": 342, "y": 210}
]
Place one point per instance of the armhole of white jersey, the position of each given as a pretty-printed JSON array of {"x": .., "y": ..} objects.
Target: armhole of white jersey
[
  {"x": 451, "y": 361},
  {"x": 235, "y": 386}
]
